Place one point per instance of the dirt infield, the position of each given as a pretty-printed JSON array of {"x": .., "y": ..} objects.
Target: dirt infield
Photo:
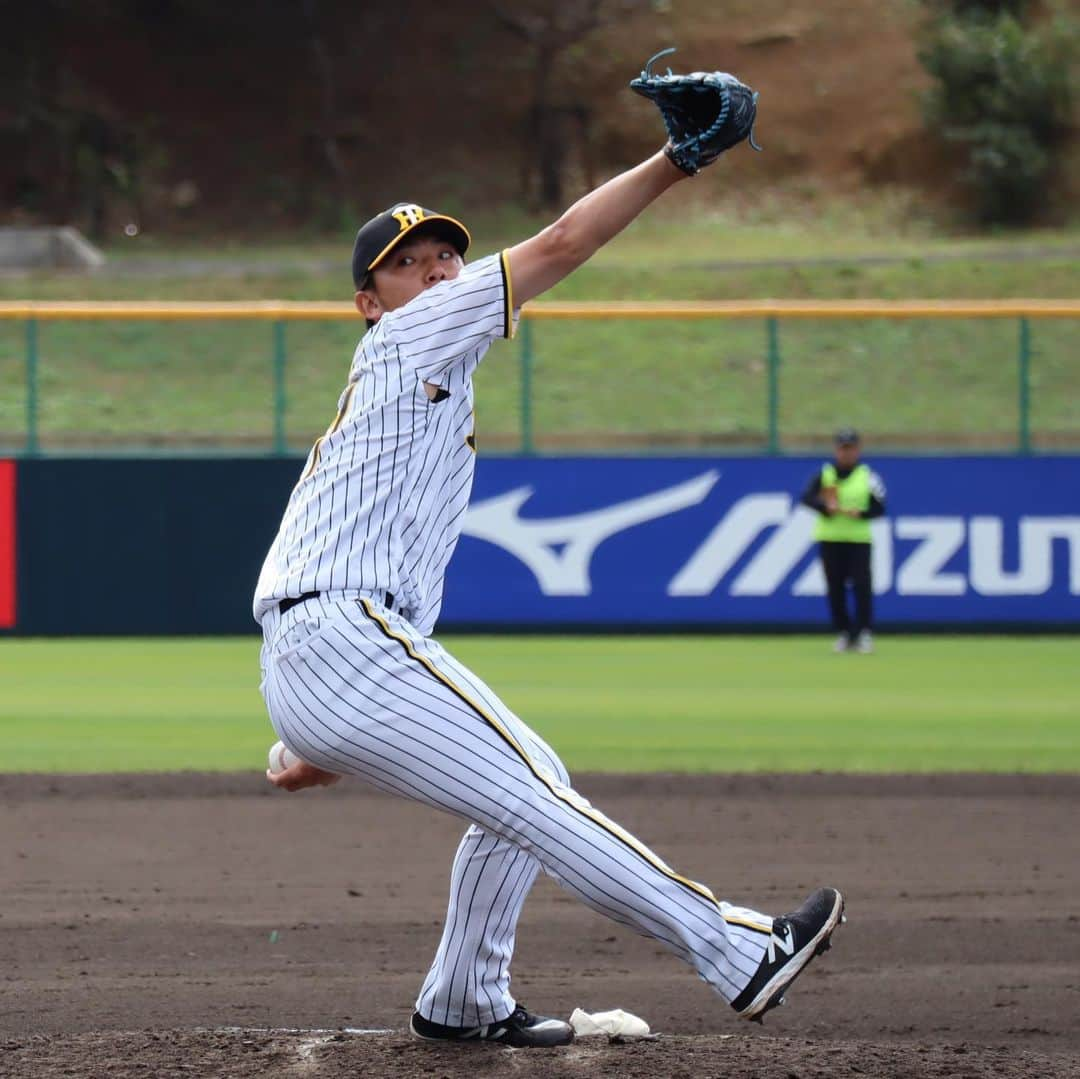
[{"x": 203, "y": 925}]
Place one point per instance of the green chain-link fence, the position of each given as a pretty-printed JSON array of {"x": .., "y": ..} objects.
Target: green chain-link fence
[{"x": 754, "y": 377}]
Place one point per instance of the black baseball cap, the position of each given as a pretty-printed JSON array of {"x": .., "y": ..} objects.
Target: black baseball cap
[
  {"x": 386, "y": 230},
  {"x": 846, "y": 436}
]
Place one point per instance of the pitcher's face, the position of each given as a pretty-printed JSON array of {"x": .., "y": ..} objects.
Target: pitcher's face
[{"x": 414, "y": 266}]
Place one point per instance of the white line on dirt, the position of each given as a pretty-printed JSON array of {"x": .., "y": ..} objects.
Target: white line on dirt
[{"x": 301, "y": 1030}]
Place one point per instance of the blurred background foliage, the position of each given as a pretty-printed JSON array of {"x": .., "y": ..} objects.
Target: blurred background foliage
[
  {"x": 1003, "y": 94},
  {"x": 256, "y": 118}
]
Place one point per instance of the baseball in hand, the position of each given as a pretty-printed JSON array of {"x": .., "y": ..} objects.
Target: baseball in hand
[{"x": 281, "y": 757}]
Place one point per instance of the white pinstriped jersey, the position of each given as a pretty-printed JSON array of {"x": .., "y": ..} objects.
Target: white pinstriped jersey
[
  {"x": 356, "y": 686},
  {"x": 382, "y": 497}
]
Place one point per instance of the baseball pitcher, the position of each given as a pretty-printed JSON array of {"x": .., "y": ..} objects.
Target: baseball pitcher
[{"x": 351, "y": 589}]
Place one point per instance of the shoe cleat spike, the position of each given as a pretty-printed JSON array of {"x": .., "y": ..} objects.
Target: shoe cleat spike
[{"x": 781, "y": 1001}]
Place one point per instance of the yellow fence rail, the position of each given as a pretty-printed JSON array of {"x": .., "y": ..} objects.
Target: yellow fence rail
[{"x": 270, "y": 310}]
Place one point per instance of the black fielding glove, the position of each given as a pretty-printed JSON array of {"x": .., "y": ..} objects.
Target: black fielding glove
[{"x": 705, "y": 113}]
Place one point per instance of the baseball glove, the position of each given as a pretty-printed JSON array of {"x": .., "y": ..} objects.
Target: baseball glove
[{"x": 705, "y": 113}]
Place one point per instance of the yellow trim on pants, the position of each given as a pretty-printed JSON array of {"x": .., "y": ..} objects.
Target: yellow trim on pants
[{"x": 564, "y": 794}]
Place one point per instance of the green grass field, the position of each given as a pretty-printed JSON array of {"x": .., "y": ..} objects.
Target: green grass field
[
  {"x": 198, "y": 385},
  {"x": 700, "y": 704}
]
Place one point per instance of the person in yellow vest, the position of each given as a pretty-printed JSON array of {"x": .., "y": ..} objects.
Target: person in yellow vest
[{"x": 848, "y": 495}]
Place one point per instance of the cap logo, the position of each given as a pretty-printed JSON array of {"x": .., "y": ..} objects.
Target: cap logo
[{"x": 408, "y": 216}]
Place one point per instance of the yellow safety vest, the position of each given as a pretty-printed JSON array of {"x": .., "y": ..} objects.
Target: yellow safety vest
[{"x": 852, "y": 493}]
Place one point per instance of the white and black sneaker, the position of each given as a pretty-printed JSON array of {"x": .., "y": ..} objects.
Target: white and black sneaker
[
  {"x": 521, "y": 1030},
  {"x": 796, "y": 938}
]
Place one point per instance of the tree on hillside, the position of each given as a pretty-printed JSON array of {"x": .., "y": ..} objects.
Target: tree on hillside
[
  {"x": 328, "y": 124},
  {"x": 1019, "y": 8},
  {"x": 550, "y": 28},
  {"x": 1003, "y": 95},
  {"x": 64, "y": 154},
  {"x": 70, "y": 150}
]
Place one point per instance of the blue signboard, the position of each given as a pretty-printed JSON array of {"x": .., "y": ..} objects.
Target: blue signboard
[{"x": 724, "y": 541}]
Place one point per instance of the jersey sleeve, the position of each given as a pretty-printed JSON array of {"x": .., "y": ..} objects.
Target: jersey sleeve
[{"x": 445, "y": 324}]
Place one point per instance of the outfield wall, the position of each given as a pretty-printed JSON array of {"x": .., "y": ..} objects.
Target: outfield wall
[{"x": 173, "y": 546}]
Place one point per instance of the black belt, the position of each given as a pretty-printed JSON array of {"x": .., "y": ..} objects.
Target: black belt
[{"x": 290, "y": 602}]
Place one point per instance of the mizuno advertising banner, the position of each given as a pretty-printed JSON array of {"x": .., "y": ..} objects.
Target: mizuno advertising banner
[
  {"x": 724, "y": 541},
  {"x": 173, "y": 546}
]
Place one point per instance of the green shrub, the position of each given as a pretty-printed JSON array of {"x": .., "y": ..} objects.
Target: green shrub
[
  {"x": 1019, "y": 8},
  {"x": 1003, "y": 94}
]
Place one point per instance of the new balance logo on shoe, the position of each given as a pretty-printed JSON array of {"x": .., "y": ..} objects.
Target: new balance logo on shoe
[
  {"x": 795, "y": 939},
  {"x": 776, "y": 941}
]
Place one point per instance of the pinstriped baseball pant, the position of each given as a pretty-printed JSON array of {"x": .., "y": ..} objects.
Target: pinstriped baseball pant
[{"x": 355, "y": 689}]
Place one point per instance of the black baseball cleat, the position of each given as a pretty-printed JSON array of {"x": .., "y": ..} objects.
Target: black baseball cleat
[
  {"x": 796, "y": 938},
  {"x": 521, "y": 1030}
]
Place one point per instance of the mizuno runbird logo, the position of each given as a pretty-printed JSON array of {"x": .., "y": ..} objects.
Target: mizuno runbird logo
[
  {"x": 786, "y": 946},
  {"x": 559, "y": 550}
]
